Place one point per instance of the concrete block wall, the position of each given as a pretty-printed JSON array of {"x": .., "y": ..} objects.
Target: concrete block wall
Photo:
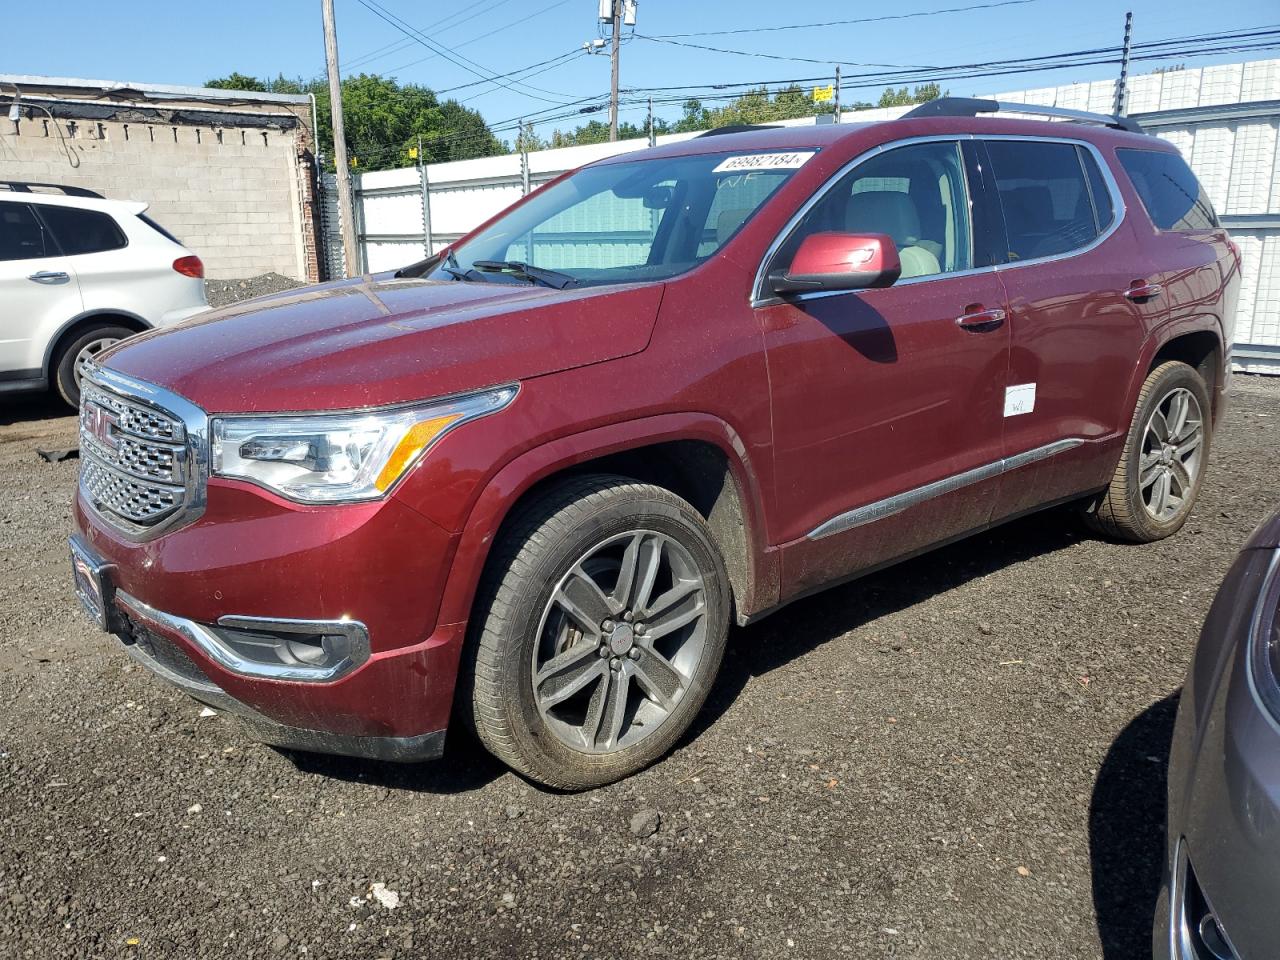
[{"x": 240, "y": 198}]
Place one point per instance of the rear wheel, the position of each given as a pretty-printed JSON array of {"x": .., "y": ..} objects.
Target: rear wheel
[
  {"x": 85, "y": 347},
  {"x": 1166, "y": 451},
  {"x": 598, "y": 633}
]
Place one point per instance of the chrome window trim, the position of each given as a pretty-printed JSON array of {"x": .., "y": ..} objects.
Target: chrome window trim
[
  {"x": 761, "y": 298},
  {"x": 195, "y": 424},
  {"x": 889, "y": 506},
  {"x": 224, "y": 656}
]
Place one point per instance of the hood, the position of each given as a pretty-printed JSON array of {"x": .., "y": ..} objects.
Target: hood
[{"x": 380, "y": 340}]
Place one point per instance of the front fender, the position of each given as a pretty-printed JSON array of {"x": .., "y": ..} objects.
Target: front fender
[{"x": 500, "y": 494}]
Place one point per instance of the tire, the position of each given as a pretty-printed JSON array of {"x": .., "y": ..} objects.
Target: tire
[
  {"x": 1132, "y": 508},
  {"x": 89, "y": 342},
  {"x": 567, "y": 550}
]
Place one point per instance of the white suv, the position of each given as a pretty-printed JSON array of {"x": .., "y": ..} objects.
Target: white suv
[{"x": 77, "y": 274}]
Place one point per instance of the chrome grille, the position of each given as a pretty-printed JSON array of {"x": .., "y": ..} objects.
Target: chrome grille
[{"x": 139, "y": 464}]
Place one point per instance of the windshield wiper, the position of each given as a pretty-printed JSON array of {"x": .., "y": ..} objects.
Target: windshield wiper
[{"x": 548, "y": 278}]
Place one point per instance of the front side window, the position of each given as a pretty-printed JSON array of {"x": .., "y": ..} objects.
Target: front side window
[
  {"x": 1046, "y": 198},
  {"x": 915, "y": 194},
  {"x": 1169, "y": 190},
  {"x": 630, "y": 221},
  {"x": 82, "y": 231},
  {"x": 21, "y": 235}
]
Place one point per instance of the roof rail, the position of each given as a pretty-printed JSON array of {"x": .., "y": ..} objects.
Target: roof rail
[
  {"x": 736, "y": 128},
  {"x": 971, "y": 107},
  {"x": 24, "y": 186}
]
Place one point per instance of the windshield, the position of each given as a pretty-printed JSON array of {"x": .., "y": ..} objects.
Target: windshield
[{"x": 623, "y": 222}]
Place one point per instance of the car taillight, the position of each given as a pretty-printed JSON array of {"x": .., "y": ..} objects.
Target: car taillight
[{"x": 189, "y": 267}]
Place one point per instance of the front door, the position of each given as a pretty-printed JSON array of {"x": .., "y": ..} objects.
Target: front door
[
  {"x": 887, "y": 403},
  {"x": 38, "y": 292}
]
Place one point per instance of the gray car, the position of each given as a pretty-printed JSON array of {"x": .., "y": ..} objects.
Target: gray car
[{"x": 1221, "y": 894}]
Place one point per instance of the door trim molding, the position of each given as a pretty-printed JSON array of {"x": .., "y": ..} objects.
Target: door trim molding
[{"x": 899, "y": 502}]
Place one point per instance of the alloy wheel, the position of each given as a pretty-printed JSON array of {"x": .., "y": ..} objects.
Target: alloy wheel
[
  {"x": 88, "y": 353},
  {"x": 1172, "y": 453},
  {"x": 619, "y": 641}
]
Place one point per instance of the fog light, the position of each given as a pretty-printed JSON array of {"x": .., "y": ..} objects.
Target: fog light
[{"x": 300, "y": 643}]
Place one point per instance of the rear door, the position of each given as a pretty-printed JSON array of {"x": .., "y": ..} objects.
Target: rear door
[
  {"x": 1069, "y": 261},
  {"x": 98, "y": 250},
  {"x": 38, "y": 291},
  {"x": 886, "y": 409}
]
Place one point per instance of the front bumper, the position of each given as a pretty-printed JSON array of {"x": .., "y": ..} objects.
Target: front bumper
[
  {"x": 251, "y": 560},
  {"x": 1223, "y": 855}
]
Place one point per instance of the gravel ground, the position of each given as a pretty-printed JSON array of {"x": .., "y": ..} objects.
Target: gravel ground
[
  {"x": 960, "y": 757},
  {"x": 221, "y": 292}
]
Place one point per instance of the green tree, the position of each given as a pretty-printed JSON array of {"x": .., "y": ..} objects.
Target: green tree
[
  {"x": 902, "y": 97},
  {"x": 384, "y": 120}
]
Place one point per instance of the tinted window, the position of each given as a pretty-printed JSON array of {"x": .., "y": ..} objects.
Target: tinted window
[
  {"x": 21, "y": 236},
  {"x": 1044, "y": 195},
  {"x": 1169, "y": 190},
  {"x": 915, "y": 194},
  {"x": 82, "y": 231}
]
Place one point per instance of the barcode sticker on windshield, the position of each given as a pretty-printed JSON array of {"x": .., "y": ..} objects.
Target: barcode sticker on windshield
[{"x": 764, "y": 161}]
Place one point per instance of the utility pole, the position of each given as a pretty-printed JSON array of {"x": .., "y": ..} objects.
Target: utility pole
[
  {"x": 524, "y": 157},
  {"x": 616, "y": 14},
  {"x": 1122, "y": 93},
  {"x": 837, "y": 116},
  {"x": 653, "y": 134},
  {"x": 350, "y": 242},
  {"x": 427, "y": 242}
]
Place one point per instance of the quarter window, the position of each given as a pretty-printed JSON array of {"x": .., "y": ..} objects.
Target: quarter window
[
  {"x": 82, "y": 231},
  {"x": 1046, "y": 198},
  {"x": 916, "y": 194},
  {"x": 21, "y": 235},
  {"x": 1169, "y": 190}
]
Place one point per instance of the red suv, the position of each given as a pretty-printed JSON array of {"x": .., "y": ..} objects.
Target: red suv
[{"x": 534, "y": 479}]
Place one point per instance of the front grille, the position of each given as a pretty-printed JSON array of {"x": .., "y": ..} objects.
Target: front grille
[{"x": 138, "y": 464}]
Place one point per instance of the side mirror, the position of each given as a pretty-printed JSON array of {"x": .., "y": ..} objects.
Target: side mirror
[{"x": 840, "y": 261}]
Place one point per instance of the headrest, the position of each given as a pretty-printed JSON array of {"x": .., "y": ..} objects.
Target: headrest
[{"x": 883, "y": 211}]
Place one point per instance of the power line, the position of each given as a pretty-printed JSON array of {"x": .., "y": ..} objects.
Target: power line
[
  {"x": 458, "y": 60},
  {"x": 476, "y": 39},
  {"x": 839, "y": 23}
]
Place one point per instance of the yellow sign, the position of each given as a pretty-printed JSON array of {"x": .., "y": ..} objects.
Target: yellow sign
[
  {"x": 413, "y": 153},
  {"x": 824, "y": 94}
]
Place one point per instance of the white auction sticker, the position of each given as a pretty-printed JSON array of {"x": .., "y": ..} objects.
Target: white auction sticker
[
  {"x": 1020, "y": 398},
  {"x": 764, "y": 161}
]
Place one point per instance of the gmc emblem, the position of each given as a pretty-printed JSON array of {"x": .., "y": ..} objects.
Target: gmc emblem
[{"x": 101, "y": 424}]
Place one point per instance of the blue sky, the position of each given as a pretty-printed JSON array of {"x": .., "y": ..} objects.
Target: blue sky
[{"x": 164, "y": 42}]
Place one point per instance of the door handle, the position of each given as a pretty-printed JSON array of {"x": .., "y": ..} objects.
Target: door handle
[
  {"x": 977, "y": 320},
  {"x": 50, "y": 276},
  {"x": 1140, "y": 292}
]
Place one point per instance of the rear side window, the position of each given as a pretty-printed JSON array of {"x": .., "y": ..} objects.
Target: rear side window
[
  {"x": 1046, "y": 198},
  {"x": 21, "y": 235},
  {"x": 1169, "y": 190},
  {"x": 82, "y": 231}
]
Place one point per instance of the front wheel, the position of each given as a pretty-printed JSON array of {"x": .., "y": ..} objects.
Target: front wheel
[
  {"x": 598, "y": 632},
  {"x": 1165, "y": 454}
]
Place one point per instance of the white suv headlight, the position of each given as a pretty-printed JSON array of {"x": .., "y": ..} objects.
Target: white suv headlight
[{"x": 340, "y": 457}]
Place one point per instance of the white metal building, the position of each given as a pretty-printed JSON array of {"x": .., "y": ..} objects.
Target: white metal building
[{"x": 1225, "y": 119}]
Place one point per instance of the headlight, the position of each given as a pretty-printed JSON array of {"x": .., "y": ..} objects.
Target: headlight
[
  {"x": 1264, "y": 640},
  {"x": 340, "y": 457}
]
